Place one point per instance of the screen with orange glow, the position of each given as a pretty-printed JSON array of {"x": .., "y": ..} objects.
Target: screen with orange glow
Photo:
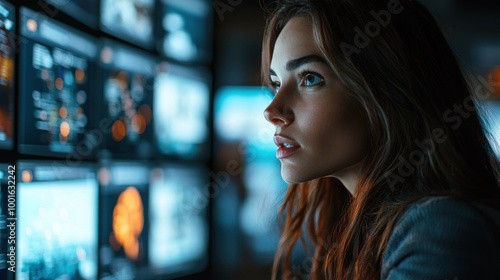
[
  {"x": 123, "y": 212},
  {"x": 128, "y": 93},
  {"x": 57, "y": 88},
  {"x": 57, "y": 235},
  {"x": 7, "y": 51}
]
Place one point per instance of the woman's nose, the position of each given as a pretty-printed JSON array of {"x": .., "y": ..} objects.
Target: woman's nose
[{"x": 278, "y": 112}]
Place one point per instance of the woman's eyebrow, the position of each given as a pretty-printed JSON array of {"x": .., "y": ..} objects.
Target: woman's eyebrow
[{"x": 297, "y": 62}]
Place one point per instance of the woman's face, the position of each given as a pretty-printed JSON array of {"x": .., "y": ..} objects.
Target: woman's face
[{"x": 320, "y": 128}]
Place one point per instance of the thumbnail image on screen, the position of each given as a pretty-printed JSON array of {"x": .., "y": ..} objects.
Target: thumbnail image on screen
[
  {"x": 57, "y": 234},
  {"x": 178, "y": 233},
  {"x": 7, "y": 50},
  {"x": 186, "y": 30},
  {"x": 130, "y": 20},
  {"x": 57, "y": 88},
  {"x": 181, "y": 106},
  {"x": 128, "y": 93},
  {"x": 123, "y": 212},
  {"x": 84, "y": 11}
]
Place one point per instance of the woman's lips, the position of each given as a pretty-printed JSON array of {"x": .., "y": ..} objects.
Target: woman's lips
[{"x": 286, "y": 146}]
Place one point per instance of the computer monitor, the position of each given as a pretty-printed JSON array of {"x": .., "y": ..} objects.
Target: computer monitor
[
  {"x": 123, "y": 229},
  {"x": 178, "y": 220},
  {"x": 85, "y": 11},
  {"x": 58, "y": 82},
  {"x": 8, "y": 47},
  {"x": 493, "y": 123},
  {"x": 57, "y": 207},
  {"x": 181, "y": 111},
  {"x": 129, "y": 80},
  {"x": 129, "y": 20},
  {"x": 186, "y": 30}
]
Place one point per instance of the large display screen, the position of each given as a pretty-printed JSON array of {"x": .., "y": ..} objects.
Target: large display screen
[
  {"x": 181, "y": 108},
  {"x": 130, "y": 20},
  {"x": 7, "y": 51},
  {"x": 85, "y": 11},
  {"x": 178, "y": 233},
  {"x": 128, "y": 95},
  {"x": 57, "y": 234},
  {"x": 186, "y": 30},
  {"x": 58, "y": 82},
  {"x": 123, "y": 229}
]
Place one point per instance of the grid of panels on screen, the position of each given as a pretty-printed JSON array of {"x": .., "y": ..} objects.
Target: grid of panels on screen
[
  {"x": 57, "y": 89},
  {"x": 92, "y": 97},
  {"x": 7, "y": 52},
  {"x": 58, "y": 217}
]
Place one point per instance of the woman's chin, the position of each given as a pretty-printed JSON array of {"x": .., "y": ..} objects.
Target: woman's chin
[{"x": 294, "y": 177}]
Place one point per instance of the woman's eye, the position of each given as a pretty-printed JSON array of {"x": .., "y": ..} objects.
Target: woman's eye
[
  {"x": 275, "y": 87},
  {"x": 312, "y": 79}
]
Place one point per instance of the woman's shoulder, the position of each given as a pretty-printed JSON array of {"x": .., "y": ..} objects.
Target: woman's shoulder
[
  {"x": 444, "y": 237},
  {"x": 448, "y": 209}
]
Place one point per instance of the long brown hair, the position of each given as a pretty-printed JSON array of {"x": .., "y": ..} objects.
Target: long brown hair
[{"x": 410, "y": 84}]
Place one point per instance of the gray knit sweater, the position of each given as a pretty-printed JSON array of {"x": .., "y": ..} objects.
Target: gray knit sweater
[{"x": 444, "y": 238}]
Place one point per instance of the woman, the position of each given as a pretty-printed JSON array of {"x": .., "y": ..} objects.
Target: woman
[{"x": 378, "y": 134}]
